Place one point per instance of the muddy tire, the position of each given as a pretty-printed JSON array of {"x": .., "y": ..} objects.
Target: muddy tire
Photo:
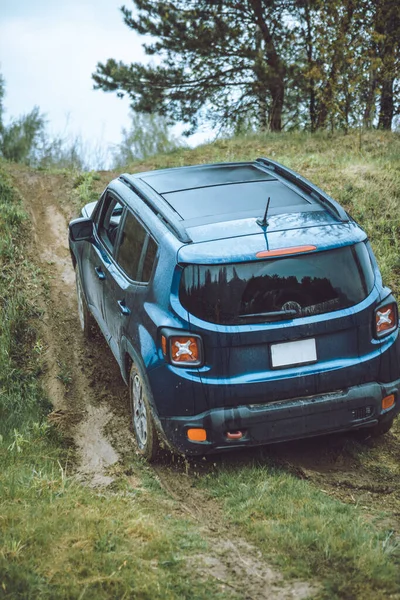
[
  {"x": 86, "y": 319},
  {"x": 375, "y": 431},
  {"x": 380, "y": 428},
  {"x": 142, "y": 418}
]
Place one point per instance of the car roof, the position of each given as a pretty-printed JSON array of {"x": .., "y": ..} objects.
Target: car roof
[{"x": 216, "y": 201}]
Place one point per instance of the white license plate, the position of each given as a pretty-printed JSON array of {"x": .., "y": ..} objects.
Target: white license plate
[{"x": 293, "y": 353}]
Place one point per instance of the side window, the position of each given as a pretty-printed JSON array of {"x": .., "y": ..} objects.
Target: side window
[
  {"x": 130, "y": 249},
  {"x": 98, "y": 209},
  {"x": 149, "y": 259},
  {"x": 109, "y": 220}
]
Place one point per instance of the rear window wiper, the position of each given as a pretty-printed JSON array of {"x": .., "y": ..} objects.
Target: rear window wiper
[{"x": 290, "y": 312}]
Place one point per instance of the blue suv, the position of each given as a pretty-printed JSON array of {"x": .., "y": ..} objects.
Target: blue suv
[{"x": 243, "y": 305}]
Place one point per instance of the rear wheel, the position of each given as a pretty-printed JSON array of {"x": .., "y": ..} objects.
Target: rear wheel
[
  {"x": 381, "y": 428},
  {"x": 85, "y": 317},
  {"x": 142, "y": 417},
  {"x": 374, "y": 431}
]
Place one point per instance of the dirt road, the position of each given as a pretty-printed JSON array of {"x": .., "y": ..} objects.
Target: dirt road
[{"x": 91, "y": 405}]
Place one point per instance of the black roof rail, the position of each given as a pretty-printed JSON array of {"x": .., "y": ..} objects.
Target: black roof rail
[
  {"x": 329, "y": 203},
  {"x": 158, "y": 205}
]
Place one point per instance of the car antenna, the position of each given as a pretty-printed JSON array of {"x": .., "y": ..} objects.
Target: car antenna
[{"x": 263, "y": 222}]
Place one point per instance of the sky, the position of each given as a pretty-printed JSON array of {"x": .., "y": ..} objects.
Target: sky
[{"x": 48, "y": 51}]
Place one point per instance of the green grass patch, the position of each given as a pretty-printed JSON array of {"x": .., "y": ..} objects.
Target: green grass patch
[
  {"x": 21, "y": 398},
  {"x": 307, "y": 533},
  {"x": 62, "y": 540}
]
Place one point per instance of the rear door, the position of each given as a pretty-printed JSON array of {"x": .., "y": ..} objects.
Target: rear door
[{"x": 128, "y": 277}]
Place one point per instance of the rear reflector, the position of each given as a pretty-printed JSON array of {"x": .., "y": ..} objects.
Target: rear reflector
[
  {"x": 285, "y": 251},
  {"x": 386, "y": 319},
  {"x": 185, "y": 350},
  {"x": 164, "y": 344},
  {"x": 387, "y": 402},
  {"x": 234, "y": 435},
  {"x": 197, "y": 435}
]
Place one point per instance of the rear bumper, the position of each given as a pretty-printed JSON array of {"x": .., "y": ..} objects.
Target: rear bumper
[{"x": 284, "y": 420}]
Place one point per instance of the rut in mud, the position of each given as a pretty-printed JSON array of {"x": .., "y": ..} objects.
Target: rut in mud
[
  {"x": 82, "y": 380},
  {"x": 91, "y": 405}
]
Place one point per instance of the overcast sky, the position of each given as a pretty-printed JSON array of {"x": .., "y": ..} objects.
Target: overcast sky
[{"x": 48, "y": 51}]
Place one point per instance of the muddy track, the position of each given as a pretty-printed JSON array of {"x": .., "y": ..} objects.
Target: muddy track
[
  {"x": 82, "y": 380},
  {"x": 91, "y": 405}
]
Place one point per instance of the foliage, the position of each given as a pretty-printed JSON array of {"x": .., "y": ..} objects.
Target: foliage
[
  {"x": 26, "y": 139},
  {"x": 20, "y": 139},
  {"x": 219, "y": 60},
  {"x": 21, "y": 398},
  {"x": 283, "y": 63},
  {"x": 148, "y": 135},
  {"x": 2, "y": 94}
]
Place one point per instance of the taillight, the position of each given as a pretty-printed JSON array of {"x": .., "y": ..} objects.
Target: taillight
[
  {"x": 182, "y": 350},
  {"x": 386, "y": 319}
]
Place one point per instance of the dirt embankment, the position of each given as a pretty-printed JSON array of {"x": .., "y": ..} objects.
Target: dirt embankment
[
  {"x": 83, "y": 384},
  {"x": 91, "y": 404}
]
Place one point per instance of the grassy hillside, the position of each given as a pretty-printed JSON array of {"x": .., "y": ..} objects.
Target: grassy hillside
[
  {"x": 325, "y": 510},
  {"x": 362, "y": 172}
]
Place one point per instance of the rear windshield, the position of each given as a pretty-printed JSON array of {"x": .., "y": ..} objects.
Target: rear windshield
[{"x": 282, "y": 288}]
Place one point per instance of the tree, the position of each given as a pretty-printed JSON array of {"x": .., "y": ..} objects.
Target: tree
[
  {"x": 148, "y": 135},
  {"x": 20, "y": 139},
  {"x": 218, "y": 61},
  {"x": 25, "y": 139}
]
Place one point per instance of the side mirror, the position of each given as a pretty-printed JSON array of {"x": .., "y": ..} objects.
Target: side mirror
[{"x": 81, "y": 230}]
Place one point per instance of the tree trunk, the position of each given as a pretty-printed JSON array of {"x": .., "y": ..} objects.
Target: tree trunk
[
  {"x": 369, "y": 111},
  {"x": 387, "y": 25},
  {"x": 386, "y": 105},
  {"x": 312, "y": 100},
  {"x": 262, "y": 113},
  {"x": 338, "y": 63},
  {"x": 275, "y": 80},
  {"x": 277, "y": 91}
]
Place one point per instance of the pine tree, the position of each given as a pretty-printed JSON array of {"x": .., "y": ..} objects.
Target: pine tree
[{"x": 220, "y": 61}]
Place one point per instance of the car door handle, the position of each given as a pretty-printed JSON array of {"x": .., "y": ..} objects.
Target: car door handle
[
  {"x": 124, "y": 309},
  {"x": 99, "y": 273}
]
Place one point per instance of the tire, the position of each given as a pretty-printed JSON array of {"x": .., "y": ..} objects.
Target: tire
[
  {"x": 375, "y": 431},
  {"x": 85, "y": 317},
  {"x": 142, "y": 417},
  {"x": 381, "y": 428}
]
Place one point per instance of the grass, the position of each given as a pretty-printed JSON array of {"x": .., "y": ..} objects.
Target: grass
[
  {"x": 63, "y": 540},
  {"x": 21, "y": 399},
  {"x": 307, "y": 533}
]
